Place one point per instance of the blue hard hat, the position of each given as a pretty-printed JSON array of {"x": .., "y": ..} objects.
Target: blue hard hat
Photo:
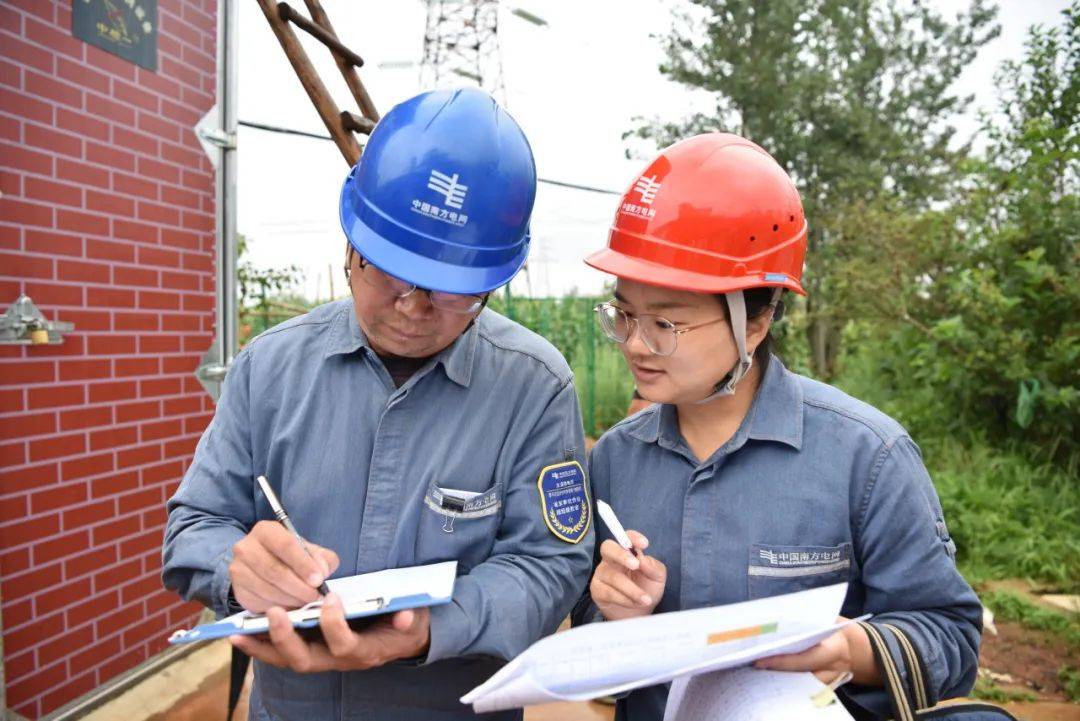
[{"x": 442, "y": 195}]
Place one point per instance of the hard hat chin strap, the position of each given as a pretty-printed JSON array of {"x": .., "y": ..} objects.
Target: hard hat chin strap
[
  {"x": 737, "y": 315},
  {"x": 736, "y": 304}
]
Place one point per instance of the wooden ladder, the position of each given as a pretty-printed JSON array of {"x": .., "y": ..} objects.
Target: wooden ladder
[{"x": 340, "y": 123}]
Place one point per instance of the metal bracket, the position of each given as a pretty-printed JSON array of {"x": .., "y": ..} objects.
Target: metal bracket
[
  {"x": 211, "y": 372},
  {"x": 24, "y": 324},
  {"x": 218, "y": 137}
]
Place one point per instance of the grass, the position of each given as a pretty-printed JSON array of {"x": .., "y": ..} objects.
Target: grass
[
  {"x": 1010, "y": 517},
  {"x": 1070, "y": 681},
  {"x": 1010, "y": 606},
  {"x": 987, "y": 690}
]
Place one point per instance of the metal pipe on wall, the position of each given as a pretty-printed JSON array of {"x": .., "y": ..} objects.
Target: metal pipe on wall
[{"x": 215, "y": 364}]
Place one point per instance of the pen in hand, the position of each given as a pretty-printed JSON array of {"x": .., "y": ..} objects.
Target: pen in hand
[
  {"x": 616, "y": 528},
  {"x": 283, "y": 517}
]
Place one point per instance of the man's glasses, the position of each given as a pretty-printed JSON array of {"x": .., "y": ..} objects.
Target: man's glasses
[{"x": 449, "y": 302}]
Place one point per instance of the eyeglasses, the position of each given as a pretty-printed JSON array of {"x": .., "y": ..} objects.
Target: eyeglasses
[
  {"x": 660, "y": 335},
  {"x": 449, "y": 302}
]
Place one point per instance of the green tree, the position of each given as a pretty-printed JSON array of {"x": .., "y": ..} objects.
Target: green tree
[
  {"x": 263, "y": 293},
  {"x": 850, "y": 96},
  {"x": 972, "y": 311},
  {"x": 258, "y": 286}
]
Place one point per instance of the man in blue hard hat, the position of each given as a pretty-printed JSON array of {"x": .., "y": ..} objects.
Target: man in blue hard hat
[{"x": 406, "y": 425}]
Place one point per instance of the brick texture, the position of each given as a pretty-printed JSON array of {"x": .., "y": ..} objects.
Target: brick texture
[{"x": 106, "y": 220}]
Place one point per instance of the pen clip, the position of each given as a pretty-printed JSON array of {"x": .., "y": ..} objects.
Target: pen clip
[
  {"x": 827, "y": 695},
  {"x": 312, "y": 611},
  {"x": 304, "y": 613},
  {"x": 452, "y": 503},
  {"x": 373, "y": 604}
]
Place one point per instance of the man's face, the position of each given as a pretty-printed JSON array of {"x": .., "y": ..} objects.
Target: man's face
[{"x": 411, "y": 326}]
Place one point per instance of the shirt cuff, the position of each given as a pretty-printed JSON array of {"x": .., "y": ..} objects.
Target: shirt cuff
[
  {"x": 585, "y": 611},
  {"x": 449, "y": 632},
  {"x": 934, "y": 668},
  {"x": 221, "y": 585},
  {"x": 875, "y": 699},
  {"x": 592, "y": 615},
  {"x": 865, "y": 701}
]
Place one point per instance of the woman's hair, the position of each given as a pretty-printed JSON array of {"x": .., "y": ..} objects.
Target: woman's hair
[{"x": 758, "y": 301}]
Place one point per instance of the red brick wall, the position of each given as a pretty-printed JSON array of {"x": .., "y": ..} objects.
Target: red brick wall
[{"x": 107, "y": 221}]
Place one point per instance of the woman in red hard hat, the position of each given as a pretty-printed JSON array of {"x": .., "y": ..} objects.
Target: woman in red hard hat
[{"x": 745, "y": 480}]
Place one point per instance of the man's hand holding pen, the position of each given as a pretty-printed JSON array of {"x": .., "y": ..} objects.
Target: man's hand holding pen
[
  {"x": 271, "y": 572},
  {"x": 271, "y": 568}
]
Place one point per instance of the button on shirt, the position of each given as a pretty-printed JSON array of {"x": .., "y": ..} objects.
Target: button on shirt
[
  {"x": 357, "y": 462},
  {"x": 814, "y": 488}
]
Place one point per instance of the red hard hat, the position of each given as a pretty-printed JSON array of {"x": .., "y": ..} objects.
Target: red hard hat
[{"x": 711, "y": 214}]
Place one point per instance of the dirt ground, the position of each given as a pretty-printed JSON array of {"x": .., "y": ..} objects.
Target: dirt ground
[
  {"x": 1025, "y": 661},
  {"x": 1030, "y": 658}
]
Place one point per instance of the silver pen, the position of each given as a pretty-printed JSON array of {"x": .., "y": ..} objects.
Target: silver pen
[{"x": 283, "y": 517}]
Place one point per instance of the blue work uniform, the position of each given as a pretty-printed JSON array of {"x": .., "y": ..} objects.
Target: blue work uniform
[
  {"x": 363, "y": 468},
  {"x": 814, "y": 488}
]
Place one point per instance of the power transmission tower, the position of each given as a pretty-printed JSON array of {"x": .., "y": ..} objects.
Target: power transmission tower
[{"x": 461, "y": 42}]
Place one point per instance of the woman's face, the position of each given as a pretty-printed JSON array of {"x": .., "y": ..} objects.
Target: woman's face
[{"x": 702, "y": 356}]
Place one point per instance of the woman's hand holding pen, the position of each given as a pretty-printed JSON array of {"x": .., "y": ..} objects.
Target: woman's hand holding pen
[
  {"x": 271, "y": 568},
  {"x": 627, "y": 584}
]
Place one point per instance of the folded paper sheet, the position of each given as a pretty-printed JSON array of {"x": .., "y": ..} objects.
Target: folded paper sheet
[
  {"x": 747, "y": 694},
  {"x": 609, "y": 658}
]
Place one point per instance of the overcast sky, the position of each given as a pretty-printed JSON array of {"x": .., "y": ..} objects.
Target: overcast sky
[{"x": 574, "y": 86}]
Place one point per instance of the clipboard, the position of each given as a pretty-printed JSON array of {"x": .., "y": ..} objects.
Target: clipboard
[{"x": 364, "y": 595}]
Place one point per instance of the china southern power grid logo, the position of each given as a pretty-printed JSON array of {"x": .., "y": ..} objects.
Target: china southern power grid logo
[
  {"x": 449, "y": 187},
  {"x": 647, "y": 187},
  {"x": 453, "y": 194}
]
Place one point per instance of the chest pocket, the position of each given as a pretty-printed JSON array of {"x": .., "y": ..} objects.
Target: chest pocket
[
  {"x": 458, "y": 525},
  {"x": 774, "y": 570}
]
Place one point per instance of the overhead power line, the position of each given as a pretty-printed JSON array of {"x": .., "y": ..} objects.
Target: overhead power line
[
  {"x": 286, "y": 131},
  {"x": 303, "y": 133}
]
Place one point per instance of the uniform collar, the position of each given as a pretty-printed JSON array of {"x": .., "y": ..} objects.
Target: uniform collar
[
  {"x": 660, "y": 421},
  {"x": 345, "y": 334},
  {"x": 347, "y": 337},
  {"x": 457, "y": 359},
  {"x": 775, "y": 415},
  {"x": 777, "y": 412}
]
